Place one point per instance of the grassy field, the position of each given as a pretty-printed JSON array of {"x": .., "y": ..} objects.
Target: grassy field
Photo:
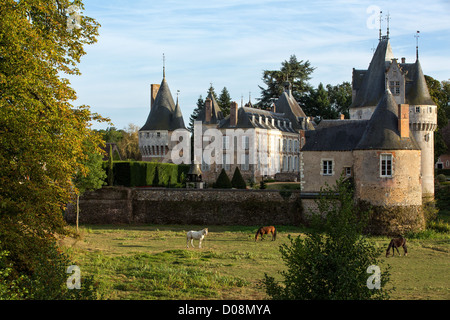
[{"x": 152, "y": 262}]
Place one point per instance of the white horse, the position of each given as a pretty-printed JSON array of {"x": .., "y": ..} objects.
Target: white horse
[{"x": 197, "y": 235}]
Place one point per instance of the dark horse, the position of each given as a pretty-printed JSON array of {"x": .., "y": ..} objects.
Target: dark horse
[
  {"x": 266, "y": 230},
  {"x": 395, "y": 244}
]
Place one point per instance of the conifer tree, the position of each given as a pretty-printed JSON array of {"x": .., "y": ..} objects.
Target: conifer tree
[{"x": 238, "y": 181}]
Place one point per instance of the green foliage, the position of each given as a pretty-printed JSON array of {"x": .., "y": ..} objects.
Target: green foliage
[
  {"x": 43, "y": 137},
  {"x": 142, "y": 174},
  {"x": 238, "y": 181},
  {"x": 331, "y": 262},
  {"x": 222, "y": 182},
  {"x": 298, "y": 73}
]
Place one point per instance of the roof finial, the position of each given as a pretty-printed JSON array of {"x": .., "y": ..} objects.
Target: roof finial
[
  {"x": 164, "y": 66},
  {"x": 388, "y": 17},
  {"x": 417, "y": 44},
  {"x": 380, "y": 24}
]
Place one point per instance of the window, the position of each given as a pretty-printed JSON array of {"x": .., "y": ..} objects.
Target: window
[
  {"x": 245, "y": 142},
  {"x": 327, "y": 167},
  {"x": 394, "y": 86},
  {"x": 158, "y": 134},
  {"x": 226, "y": 142},
  {"x": 348, "y": 171},
  {"x": 245, "y": 162},
  {"x": 226, "y": 162},
  {"x": 386, "y": 165},
  {"x": 417, "y": 109}
]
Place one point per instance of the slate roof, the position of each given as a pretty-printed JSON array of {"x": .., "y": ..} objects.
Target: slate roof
[
  {"x": 382, "y": 132},
  {"x": 164, "y": 115},
  {"x": 249, "y": 118},
  {"x": 216, "y": 112},
  {"x": 286, "y": 104},
  {"x": 372, "y": 84},
  {"x": 416, "y": 86},
  {"x": 335, "y": 135}
]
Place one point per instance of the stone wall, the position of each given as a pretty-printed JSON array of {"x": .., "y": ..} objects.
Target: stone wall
[
  {"x": 118, "y": 205},
  {"x": 188, "y": 206}
]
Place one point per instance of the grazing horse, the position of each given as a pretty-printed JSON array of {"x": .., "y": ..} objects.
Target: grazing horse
[
  {"x": 197, "y": 235},
  {"x": 266, "y": 230},
  {"x": 395, "y": 244}
]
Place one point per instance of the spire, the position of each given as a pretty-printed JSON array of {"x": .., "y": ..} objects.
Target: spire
[
  {"x": 164, "y": 66},
  {"x": 417, "y": 44},
  {"x": 388, "y": 17},
  {"x": 380, "y": 25}
]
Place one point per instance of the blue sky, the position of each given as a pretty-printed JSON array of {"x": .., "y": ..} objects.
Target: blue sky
[{"x": 230, "y": 43}]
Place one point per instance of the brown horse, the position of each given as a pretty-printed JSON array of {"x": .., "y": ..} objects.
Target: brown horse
[
  {"x": 395, "y": 244},
  {"x": 266, "y": 230}
]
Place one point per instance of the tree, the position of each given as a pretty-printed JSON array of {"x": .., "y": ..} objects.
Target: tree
[
  {"x": 340, "y": 97},
  {"x": 296, "y": 72},
  {"x": 318, "y": 104},
  {"x": 195, "y": 113},
  {"x": 332, "y": 261},
  {"x": 93, "y": 179},
  {"x": 129, "y": 144},
  {"x": 224, "y": 101},
  {"x": 222, "y": 182},
  {"x": 237, "y": 181},
  {"x": 42, "y": 134},
  {"x": 439, "y": 92}
]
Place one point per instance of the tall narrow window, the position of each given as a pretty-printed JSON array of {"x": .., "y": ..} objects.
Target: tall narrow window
[
  {"x": 327, "y": 167},
  {"x": 386, "y": 165}
]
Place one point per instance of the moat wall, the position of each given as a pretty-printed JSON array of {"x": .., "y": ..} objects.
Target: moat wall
[{"x": 119, "y": 205}]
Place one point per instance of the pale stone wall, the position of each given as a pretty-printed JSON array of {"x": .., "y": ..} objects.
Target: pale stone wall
[
  {"x": 404, "y": 188},
  {"x": 422, "y": 125},
  {"x": 313, "y": 178}
]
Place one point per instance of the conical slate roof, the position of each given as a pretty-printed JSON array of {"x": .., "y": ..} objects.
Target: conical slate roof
[
  {"x": 164, "y": 115},
  {"x": 417, "y": 93},
  {"x": 382, "y": 129},
  {"x": 373, "y": 82}
]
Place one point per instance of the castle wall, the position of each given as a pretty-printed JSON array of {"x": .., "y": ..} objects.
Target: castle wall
[
  {"x": 404, "y": 188},
  {"x": 313, "y": 178},
  {"x": 423, "y": 122},
  {"x": 116, "y": 205}
]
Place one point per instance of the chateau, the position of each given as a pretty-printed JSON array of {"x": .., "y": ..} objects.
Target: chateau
[{"x": 386, "y": 147}]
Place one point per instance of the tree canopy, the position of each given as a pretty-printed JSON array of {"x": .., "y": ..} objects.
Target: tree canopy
[
  {"x": 42, "y": 134},
  {"x": 298, "y": 73}
]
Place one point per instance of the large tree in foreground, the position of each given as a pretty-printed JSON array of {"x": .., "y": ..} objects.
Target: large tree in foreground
[{"x": 41, "y": 132}]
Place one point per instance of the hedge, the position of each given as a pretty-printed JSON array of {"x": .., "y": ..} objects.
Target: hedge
[{"x": 141, "y": 174}]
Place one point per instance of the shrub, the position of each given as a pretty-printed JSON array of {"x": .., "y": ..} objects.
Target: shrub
[
  {"x": 331, "y": 262},
  {"x": 223, "y": 182},
  {"x": 237, "y": 181}
]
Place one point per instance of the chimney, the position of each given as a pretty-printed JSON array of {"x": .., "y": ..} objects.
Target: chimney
[
  {"x": 154, "y": 88},
  {"x": 208, "y": 110},
  {"x": 403, "y": 60},
  {"x": 342, "y": 116},
  {"x": 233, "y": 114},
  {"x": 403, "y": 120}
]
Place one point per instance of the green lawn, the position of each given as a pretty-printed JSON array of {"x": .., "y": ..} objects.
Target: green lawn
[{"x": 152, "y": 262}]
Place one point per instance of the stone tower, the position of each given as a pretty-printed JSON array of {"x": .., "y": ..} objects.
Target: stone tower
[
  {"x": 165, "y": 117},
  {"x": 407, "y": 85}
]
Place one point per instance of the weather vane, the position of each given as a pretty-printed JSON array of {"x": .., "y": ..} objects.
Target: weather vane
[{"x": 417, "y": 44}]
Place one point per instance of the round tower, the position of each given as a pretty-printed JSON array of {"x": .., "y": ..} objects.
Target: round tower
[{"x": 423, "y": 123}]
